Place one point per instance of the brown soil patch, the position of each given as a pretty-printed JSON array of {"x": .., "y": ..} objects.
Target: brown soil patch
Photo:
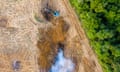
[{"x": 50, "y": 40}]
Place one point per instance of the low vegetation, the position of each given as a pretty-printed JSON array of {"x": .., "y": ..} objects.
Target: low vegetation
[{"x": 101, "y": 22}]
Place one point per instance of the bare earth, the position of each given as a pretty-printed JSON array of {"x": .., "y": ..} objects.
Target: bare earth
[{"x": 26, "y": 36}]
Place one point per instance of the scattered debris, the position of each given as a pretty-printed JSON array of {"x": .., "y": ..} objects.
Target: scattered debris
[
  {"x": 49, "y": 13},
  {"x": 16, "y": 65},
  {"x": 56, "y": 13}
]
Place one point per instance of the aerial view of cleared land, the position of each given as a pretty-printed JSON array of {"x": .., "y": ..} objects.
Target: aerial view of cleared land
[{"x": 59, "y": 35}]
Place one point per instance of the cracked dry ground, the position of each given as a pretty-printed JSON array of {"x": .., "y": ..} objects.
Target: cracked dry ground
[{"x": 26, "y": 36}]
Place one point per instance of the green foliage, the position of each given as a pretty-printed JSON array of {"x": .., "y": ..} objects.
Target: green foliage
[
  {"x": 101, "y": 22},
  {"x": 37, "y": 18}
]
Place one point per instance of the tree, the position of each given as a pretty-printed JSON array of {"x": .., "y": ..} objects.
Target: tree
[{"x": 101, "y": 22}]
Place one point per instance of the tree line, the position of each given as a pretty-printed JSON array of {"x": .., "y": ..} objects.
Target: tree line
[{"x": 101, "y": 22}]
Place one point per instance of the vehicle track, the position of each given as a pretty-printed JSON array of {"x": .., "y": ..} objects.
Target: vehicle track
[
  {"x": 72, "y": 16},
  {"x": 82, "y": 36}
]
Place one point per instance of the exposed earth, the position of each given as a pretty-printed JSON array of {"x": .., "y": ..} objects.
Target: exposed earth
[{"x": 28, "y": 37}]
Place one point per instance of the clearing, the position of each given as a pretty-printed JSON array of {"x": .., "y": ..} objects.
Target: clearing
[{"x": 31, "y": 38}]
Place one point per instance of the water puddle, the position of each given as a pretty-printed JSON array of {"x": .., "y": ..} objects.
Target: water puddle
[{"x": 62, "y": 64}]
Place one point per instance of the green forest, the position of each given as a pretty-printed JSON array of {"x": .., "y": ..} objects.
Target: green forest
[{"x": 101, "y": 21}]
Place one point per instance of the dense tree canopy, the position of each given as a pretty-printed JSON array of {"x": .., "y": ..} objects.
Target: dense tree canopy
[{"x": 101, "y": 22}]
